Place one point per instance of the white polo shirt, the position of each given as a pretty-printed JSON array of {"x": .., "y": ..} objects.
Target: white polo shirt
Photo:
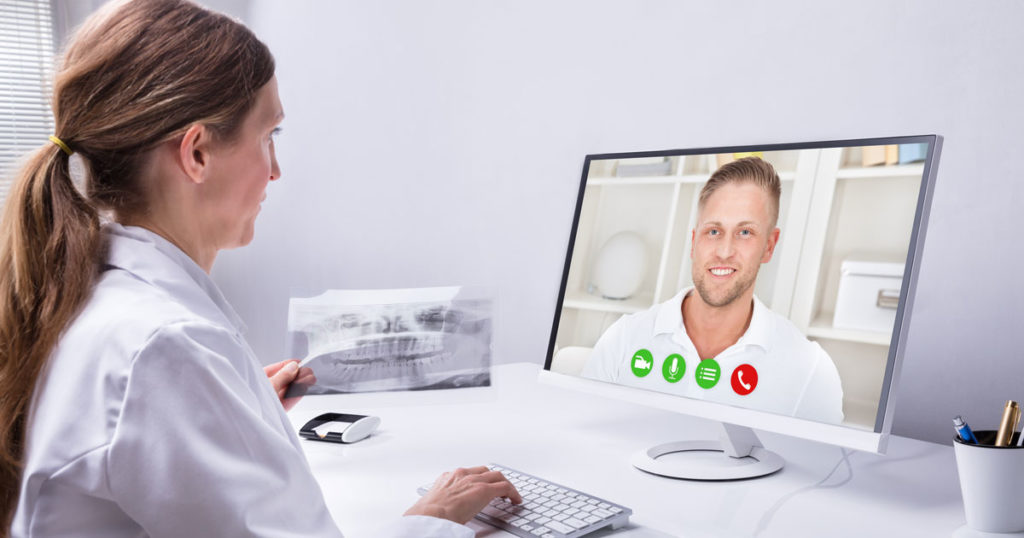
[{"x": 772, "y": 367}]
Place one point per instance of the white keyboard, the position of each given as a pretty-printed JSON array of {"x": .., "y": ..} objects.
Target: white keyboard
[{"x": 549, "y": 510}]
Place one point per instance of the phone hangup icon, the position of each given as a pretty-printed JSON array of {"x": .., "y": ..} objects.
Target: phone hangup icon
[{"x": 744, "y": 379}]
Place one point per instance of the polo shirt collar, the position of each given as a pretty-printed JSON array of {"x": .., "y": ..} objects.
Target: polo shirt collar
[
  {"x": 670, "y": 315},
  {"x": 670, "y": 321}
]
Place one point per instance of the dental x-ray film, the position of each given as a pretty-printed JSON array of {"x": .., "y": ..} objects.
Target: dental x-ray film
[{"x": 387, "y": 340}]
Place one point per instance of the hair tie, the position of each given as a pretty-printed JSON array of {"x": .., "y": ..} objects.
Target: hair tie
[{"x": 60, "y": 143}]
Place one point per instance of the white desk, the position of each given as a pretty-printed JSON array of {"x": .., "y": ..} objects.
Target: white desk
[{"x": 585, "y": 442}]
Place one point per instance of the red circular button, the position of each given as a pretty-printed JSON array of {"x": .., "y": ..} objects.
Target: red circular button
[{"x": 744, "y": 379}]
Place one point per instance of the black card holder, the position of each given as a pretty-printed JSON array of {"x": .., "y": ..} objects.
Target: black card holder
[{"x": 307, "y": 430}]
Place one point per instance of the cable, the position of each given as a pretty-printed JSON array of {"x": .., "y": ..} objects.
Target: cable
[{"x": 766, "y": 518}]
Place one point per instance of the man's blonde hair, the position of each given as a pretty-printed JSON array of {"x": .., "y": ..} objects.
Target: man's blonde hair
[{"x": 746, "y": 170}]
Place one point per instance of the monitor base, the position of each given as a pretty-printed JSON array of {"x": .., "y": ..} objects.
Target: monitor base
[{"x": 740, "y": 456}]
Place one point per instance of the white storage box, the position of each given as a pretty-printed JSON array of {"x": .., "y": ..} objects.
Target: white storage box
[{"x": 869, "y": 293}]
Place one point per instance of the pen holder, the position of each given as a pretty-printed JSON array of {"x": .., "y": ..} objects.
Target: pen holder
[{"x": 992, "y": 483}]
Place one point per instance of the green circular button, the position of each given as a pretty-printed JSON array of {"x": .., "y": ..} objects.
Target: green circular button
[
  {"x": 673, "y": 368},
  {"x": 642, "y": 362},
  {"x": 708, "y": 372}
]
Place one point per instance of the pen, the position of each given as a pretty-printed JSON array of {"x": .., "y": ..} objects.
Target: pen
[
  {"x": 1011, "y": 414},
  {"x": 963, "y": 430}
]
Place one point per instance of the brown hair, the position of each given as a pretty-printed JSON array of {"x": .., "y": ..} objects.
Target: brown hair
[
  {"x": 135, "y": 75},
  {"x": 746, "y": 170}
]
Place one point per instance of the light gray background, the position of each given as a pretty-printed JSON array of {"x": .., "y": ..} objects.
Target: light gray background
[{"x": 439, "y": 143}]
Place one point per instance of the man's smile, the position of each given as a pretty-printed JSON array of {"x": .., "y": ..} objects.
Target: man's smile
[{"x": 722, "y": 271}]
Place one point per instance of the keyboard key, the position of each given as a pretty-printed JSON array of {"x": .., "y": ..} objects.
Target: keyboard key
[
  {"x": 559, "y": 527},
  {"x": 575, "y": 523},
  {"x": 602, "y": 513}
]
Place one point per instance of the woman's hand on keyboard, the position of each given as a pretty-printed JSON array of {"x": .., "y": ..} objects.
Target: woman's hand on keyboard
[{"x": 460, "y": 494}]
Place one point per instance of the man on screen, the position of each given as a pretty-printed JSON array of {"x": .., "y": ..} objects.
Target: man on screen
[{"x": 716, "y": 341}]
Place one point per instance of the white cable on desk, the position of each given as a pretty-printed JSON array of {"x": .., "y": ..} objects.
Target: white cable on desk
[{"x": 762, "y": 524}]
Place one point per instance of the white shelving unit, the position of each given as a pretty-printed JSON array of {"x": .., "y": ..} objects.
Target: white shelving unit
[
  {"x": 821, "y": 327},
  {"x": 586, "y": 301},
  {"x": 855, "y": 212}
]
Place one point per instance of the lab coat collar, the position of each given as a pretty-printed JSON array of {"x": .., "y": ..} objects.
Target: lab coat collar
[
  {"x": 146, "y": 254},
  {"x": 670, "y": 321}
]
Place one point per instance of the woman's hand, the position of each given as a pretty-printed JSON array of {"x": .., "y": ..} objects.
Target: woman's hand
[
  {"x": 460, "y": 494},
  {"x": 283, "y": 374}
]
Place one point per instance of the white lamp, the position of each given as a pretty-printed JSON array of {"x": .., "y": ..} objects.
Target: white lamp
[{"x": 620, "y": 266}]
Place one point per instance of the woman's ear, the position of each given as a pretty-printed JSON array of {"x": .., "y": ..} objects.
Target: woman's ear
[{"x": 194, "y": 152}]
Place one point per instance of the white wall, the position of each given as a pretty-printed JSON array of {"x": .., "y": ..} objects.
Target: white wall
[{"x": 434, "y": 143}]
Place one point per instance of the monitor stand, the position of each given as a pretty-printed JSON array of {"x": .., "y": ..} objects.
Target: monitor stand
[{"x": 736, "y": 455}]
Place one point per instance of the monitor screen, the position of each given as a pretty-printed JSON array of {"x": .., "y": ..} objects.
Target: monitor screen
[{"x": 767, "y": 278}]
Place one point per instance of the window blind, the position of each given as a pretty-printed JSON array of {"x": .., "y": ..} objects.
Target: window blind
[{"x": 26, "y": 70}]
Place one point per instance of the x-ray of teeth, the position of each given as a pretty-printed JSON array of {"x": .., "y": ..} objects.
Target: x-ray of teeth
[{"x": 381, "y": 340}]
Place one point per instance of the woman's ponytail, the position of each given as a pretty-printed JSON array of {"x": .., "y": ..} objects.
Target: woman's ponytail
[{"x": 49, "y": 247}]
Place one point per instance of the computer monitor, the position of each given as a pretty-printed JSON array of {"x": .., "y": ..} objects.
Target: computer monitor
[{"x": 765, "y": 287}]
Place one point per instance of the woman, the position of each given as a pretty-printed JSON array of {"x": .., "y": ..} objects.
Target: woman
[{"x": 131, "y": 403}]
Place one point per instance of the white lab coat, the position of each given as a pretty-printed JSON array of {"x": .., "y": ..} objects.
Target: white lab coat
[
  {"x": 154, "y": 418},
  {"x": 795, "y": 376}
]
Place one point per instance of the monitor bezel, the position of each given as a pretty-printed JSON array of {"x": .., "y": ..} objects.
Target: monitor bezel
[{"x": 871, "y": 441}]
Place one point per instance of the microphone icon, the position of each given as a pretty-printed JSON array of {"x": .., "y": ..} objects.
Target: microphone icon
[{"x": 674, "y": 369}]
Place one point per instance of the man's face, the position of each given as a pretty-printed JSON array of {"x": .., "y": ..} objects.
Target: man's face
[{"x": 734, "y": 236}]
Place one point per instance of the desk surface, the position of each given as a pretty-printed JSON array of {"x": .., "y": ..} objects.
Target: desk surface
[{"x": 585, "y": 442}]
